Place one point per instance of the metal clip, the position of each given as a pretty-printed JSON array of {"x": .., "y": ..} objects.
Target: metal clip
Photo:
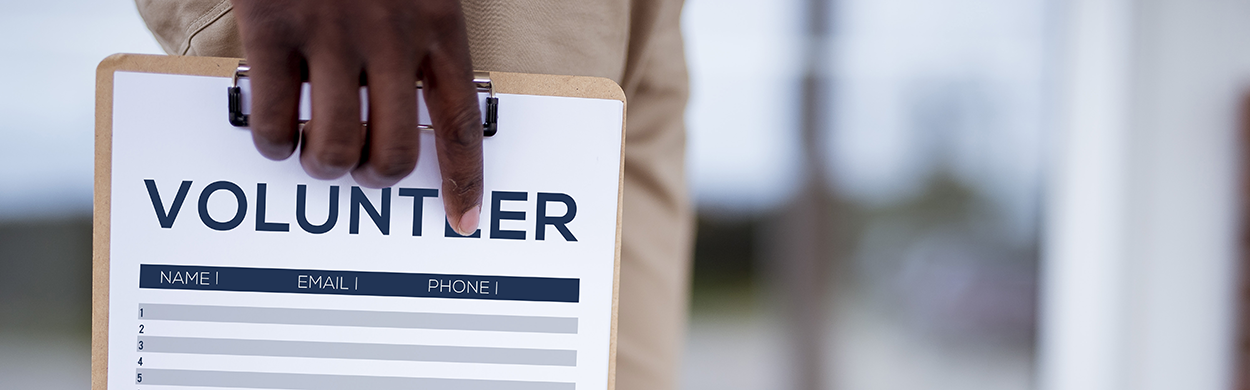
[{"x": 481, "y": 80}]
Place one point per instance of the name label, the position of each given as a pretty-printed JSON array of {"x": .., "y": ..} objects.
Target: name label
[{"x": 382, "y": 284}]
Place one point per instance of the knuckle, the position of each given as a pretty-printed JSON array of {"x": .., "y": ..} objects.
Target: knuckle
[
  {"x": 466, "y": 126},
  {"x": 465, "y": 188}
]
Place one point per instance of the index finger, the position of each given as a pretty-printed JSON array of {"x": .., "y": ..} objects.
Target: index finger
[{"x": 452, "y": 101}]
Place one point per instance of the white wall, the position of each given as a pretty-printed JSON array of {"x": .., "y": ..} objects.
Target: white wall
[{"x": 1138, "y": 276}]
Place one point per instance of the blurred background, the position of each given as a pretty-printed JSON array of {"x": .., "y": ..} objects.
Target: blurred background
[{"x": 892, "y": 194}]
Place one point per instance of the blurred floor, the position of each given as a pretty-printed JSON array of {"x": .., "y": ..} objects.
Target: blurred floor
[
  {"x": 45, "y": 303},
  {"x": 875, "y": 352},
  {"x": 45, "y": 360},
  {"x": 741, "y": 350},
  {"x": 745, "y": 350}
]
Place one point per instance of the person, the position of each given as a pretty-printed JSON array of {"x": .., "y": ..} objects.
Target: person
[{"x": 392, "y": 43}]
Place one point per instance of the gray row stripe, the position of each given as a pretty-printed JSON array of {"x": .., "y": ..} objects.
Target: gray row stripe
[
  {"x": 317, "y": 349},
  {"x": 371, "y": 319},
  {"x": 260, "y": 380}
]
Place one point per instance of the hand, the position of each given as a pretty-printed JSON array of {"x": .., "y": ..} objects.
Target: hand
[{"x": 392, "y": 43}]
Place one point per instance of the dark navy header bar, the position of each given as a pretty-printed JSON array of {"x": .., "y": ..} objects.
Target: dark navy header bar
[{"x": 382, "y": 284}]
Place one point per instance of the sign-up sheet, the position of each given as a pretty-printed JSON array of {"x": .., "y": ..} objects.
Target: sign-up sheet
[{"x": 217, "y": 268}]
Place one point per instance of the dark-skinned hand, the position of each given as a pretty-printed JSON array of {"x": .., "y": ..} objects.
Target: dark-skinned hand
[{"x": 392, "y": 43}]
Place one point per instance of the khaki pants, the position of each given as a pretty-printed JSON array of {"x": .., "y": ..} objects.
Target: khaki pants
[{"x": 636, "y": 43}]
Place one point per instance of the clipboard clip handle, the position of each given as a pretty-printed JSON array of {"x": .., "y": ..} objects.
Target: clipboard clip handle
[{"x": 481, "y": 80}]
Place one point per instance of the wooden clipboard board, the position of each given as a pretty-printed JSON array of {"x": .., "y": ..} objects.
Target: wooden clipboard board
[{"x": 504, "y": 83}]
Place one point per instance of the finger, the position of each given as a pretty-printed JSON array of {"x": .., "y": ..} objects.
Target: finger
[
  {"x": 454, "y": 112},
  {"x": 334, "y": 136},
  {"x": 275, "y": 78},
  {"x": 393, "y": 142}
]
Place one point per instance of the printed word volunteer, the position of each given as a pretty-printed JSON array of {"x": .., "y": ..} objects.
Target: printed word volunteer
[{"x": 379, "y": 213}]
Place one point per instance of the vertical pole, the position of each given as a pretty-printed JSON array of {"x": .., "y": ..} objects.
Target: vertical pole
[
  {"x": 1082, "y": 317},
  {"x": 1241, "y": 360},
  {"x": 800, "y": 242}
]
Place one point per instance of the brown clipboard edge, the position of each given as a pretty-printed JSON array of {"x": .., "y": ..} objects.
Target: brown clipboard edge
[{"x": 504, "y": 82}]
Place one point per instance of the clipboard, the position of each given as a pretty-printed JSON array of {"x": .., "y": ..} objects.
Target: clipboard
[{"x": 417, "y": 316}]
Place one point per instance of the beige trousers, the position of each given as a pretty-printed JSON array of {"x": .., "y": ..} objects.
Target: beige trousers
[{"x": 636, "y": 43}]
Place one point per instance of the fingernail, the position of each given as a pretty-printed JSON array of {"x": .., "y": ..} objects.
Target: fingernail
[{"x": 469, "y": 221}]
